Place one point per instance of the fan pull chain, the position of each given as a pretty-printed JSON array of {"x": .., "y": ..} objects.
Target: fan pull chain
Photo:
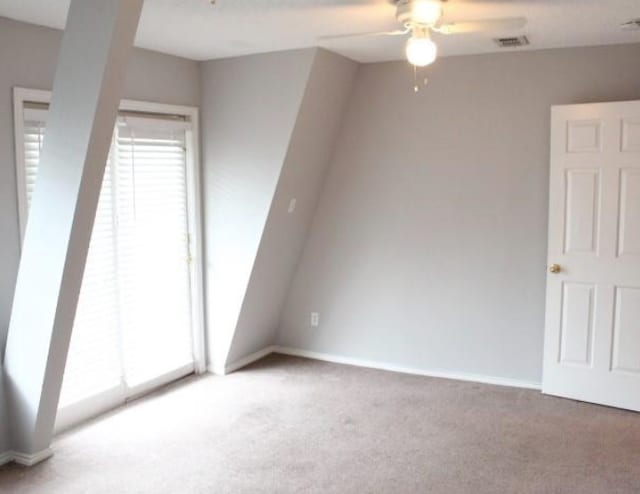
[{"x": 416, "y": 86}]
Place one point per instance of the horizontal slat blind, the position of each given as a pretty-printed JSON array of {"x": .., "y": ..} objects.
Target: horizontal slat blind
[
  {"x": 133, "y": 322},
  {"x": 153, "y": 248},
  {"x": 33, "y": 138},
  {"x": 93, "y": 364}
]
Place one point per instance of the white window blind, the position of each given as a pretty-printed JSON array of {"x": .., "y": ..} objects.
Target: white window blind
[
  {"x": 93, "y": 365},
  {"x": 34, "y": 125},
  {"x": 153, "y": 247},
  {"x": 133, "y": 322}
]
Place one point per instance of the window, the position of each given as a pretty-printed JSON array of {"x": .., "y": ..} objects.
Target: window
[{"x": 139, "y": 318}]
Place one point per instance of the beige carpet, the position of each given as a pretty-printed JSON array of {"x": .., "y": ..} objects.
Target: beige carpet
[{"x": 289, "y": 425}]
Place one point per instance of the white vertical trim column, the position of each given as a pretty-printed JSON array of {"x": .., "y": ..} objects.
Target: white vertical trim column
[{"x": 87, "y": 88}]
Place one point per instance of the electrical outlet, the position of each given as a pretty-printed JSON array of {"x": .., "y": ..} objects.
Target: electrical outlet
[
  {"x": 292, "y": 205},
  {"x": 315, "y": 319}
]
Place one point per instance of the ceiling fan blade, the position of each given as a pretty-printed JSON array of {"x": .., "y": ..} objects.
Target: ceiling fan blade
[
  {"x": 277, "y": 4},
  {"x": 506, "y": 24},
  {"x": 399, "y": 32}
]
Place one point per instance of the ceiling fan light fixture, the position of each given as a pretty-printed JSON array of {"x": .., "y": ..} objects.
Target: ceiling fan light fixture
[{"x": 421, "y": 51}]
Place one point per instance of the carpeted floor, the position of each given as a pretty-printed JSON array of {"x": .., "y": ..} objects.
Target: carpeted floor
[{"x": 290, "y": 425}]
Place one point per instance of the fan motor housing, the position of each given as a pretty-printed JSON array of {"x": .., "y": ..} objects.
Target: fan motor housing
[{"x": 405, "y": 11}]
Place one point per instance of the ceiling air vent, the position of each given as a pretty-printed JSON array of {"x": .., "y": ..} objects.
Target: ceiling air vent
[
  {"x": 632, "y": 25},
  {"x": 512, "y": 42}
]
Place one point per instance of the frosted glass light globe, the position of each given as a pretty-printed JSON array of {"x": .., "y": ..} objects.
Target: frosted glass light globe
[{"x": 421, "y": 51}]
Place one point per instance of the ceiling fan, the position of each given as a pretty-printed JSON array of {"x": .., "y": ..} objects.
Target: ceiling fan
[{"x": 421, "y": 18}]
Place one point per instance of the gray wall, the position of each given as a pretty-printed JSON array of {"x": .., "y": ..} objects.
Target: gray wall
[
  {"x": 249, "y": 110},
  {"x": 28, "y": 56},
  {"x": 428, "y": 248},
  {"x": 308, "y": 156}
]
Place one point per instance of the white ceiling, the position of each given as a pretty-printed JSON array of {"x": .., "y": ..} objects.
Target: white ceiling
[{"x": 197, "y": 30}]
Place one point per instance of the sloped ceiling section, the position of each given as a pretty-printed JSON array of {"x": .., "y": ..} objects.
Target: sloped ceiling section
[
  {"x": 249, "y": 110},
  {"x": 294, "y": 202},
  {"x": 269, "y": 124}
]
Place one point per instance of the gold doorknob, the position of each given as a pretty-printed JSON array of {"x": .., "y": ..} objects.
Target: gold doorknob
[{"x": 555, "y": 268}]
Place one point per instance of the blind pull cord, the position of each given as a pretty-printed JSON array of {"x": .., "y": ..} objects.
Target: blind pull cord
[{"x": 133, "y": 173}]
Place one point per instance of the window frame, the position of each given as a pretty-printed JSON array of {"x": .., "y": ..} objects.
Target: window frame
[{"x": 21, "y": 96}]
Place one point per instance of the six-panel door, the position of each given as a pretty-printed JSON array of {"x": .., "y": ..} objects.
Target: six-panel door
[{"x": 592, "y": 336}]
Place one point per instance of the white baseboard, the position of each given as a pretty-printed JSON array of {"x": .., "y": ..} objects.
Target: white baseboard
[
  {"x": 30, "y": 460},
  {"x": 27, "y": 460},
  {"x": 6, "y": 458},
  {"x": 243, "y": 362},
  {"x": 459, "y": 376},
  {"x": 338, "y": 359}
]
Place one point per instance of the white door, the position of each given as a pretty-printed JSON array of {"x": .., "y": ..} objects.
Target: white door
[{"x": 592, "y": 337}]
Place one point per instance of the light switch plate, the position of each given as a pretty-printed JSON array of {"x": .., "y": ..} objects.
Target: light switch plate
[{"x": 315, "y": 319}]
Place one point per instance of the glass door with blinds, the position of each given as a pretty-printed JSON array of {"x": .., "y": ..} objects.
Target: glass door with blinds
[
  {"x": 138, "y": 323},
  {"x": 153, "y": 248}
]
